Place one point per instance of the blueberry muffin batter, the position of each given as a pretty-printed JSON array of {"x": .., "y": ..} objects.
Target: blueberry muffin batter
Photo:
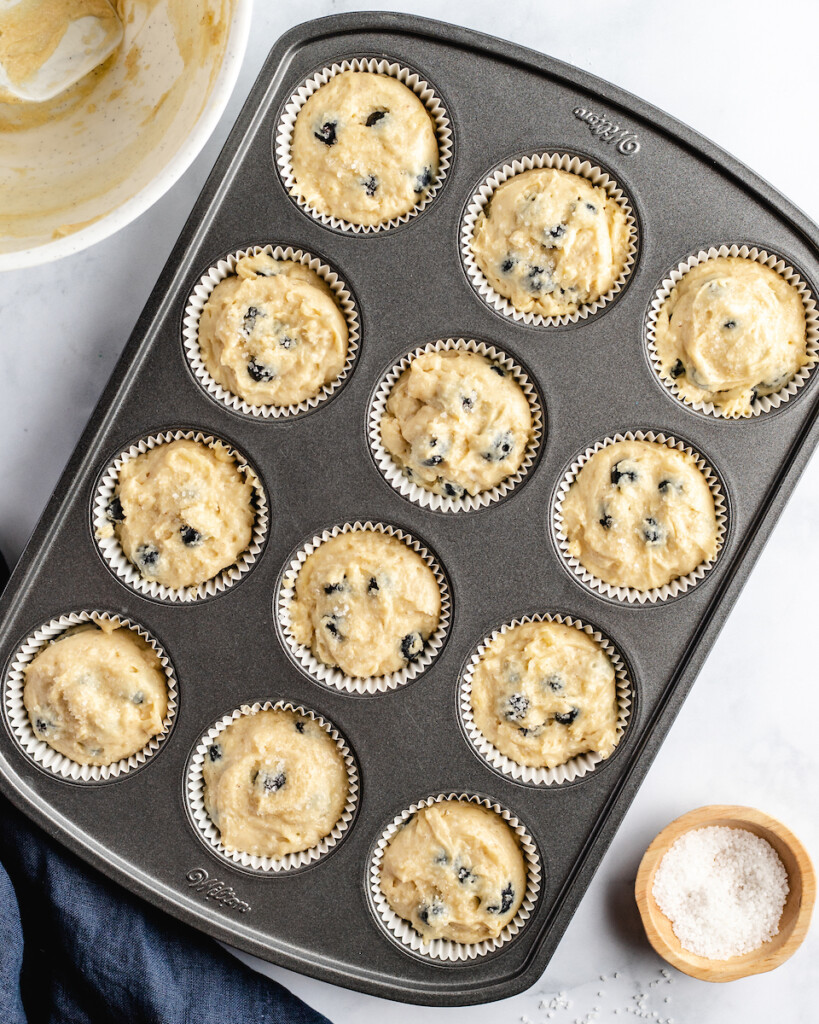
[
  {"x": 272, "y": 333},
  {"x": 96, "y": 694},
  {"x": 640, "y": 514},
  {"x": 455, "y": 871},
  {"x": 457, "y": 423},
  {"x": 731, "y": 331},
  {"x": 550, "y": 242},
  {"x": 366, "y": 603},
  {"x": 275, "y": 783},
  {"x": 364, "y": 149},
  {"x": 183, "y": 512},
  {"x": 543, "y": 693}
]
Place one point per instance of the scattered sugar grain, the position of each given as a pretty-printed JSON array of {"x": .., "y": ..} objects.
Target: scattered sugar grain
[{"x": 723, "y": 889}]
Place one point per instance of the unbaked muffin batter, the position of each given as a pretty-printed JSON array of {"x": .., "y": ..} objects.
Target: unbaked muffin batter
[
  {"x": 640, "y": 514},
  {"x": 366, "y": 603},
  {"x": 96, "y": 694},
  {"x": 543, "y": 693},
  {"x": 272, "y": 333},
  {"x": 183, "y": 511},
  {"x": 731, "y": 331},
  {"x": 457, "y": 423},
  {"x": 364, "y": 149},
  {"x": 455, "y": 871},
  {"x": 550, "y": 241},
  {"x": 275, "y": 783}
]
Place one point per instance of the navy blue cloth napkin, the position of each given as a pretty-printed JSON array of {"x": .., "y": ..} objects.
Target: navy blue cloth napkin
[{"x": 77, "y": 949}]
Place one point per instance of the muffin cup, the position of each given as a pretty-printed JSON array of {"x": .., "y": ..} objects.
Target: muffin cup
[
  {"x": 774, "y": 262},
  {"x": 479, "y": 201},
  {"x": 576, "y": 767},
  {"x": 394, "y": 473},
  {"x": 328, "y": 674},
  {"x": 38, "y": 750},
  {"x": 423, "y": 90},
  {"x": 631, "y": 595},
  {"x": 195, "y": 795},
  {"x": 226, "y": 268},
  {"x": 446, "y": 950},
  {"x": 109, "y": 544}
]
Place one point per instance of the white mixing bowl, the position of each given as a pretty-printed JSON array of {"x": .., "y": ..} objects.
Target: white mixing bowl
[{"x": 78, "y": 168}]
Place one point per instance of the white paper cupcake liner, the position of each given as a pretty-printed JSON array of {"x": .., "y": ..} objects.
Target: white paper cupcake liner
[
  {"x": 576, "y": 767},
  {"x": 330, "y": 675},
  {"x": 195, "y": 794},
  {"x": 422, "y": 89},
  {"x": 226, "y": 268},
  {"x": 563, "y": 162},
  {"x": 394, "y": 473},
  {"x": 774, "y": 262},
  {"x": 677, "y": 586},
  {"x": 445, "y": 950},
  {"x": 111, "y": 549},
  {"x": 38, "y": 750}
]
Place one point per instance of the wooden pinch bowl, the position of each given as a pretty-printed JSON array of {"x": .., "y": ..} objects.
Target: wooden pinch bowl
[{"x": 796, "y": 914}]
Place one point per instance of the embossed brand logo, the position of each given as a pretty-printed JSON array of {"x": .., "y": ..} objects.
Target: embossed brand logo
[
  {"x": 623, "y": 139},
  {"x": 212, "y": 889}
]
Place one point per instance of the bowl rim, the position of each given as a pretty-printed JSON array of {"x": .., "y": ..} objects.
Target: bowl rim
[
  {"x": 167, "y": 176},
  {"x": 801, "y": 897}
]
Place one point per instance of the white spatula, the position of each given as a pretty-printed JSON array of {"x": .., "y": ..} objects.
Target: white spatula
[{"x": 46, "y": 47}]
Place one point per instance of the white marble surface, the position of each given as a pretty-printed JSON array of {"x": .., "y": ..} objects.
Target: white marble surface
[{"x": 743, "y": 74}]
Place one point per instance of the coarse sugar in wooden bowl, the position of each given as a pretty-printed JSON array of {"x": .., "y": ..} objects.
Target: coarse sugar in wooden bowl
[{"x": 796, "y": 913}]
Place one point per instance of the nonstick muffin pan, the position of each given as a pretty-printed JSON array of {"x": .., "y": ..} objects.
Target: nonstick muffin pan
[{"x": 594, "y": 380}]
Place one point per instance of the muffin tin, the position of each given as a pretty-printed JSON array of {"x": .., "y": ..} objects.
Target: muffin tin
[{"x": 502, "y": 562}]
